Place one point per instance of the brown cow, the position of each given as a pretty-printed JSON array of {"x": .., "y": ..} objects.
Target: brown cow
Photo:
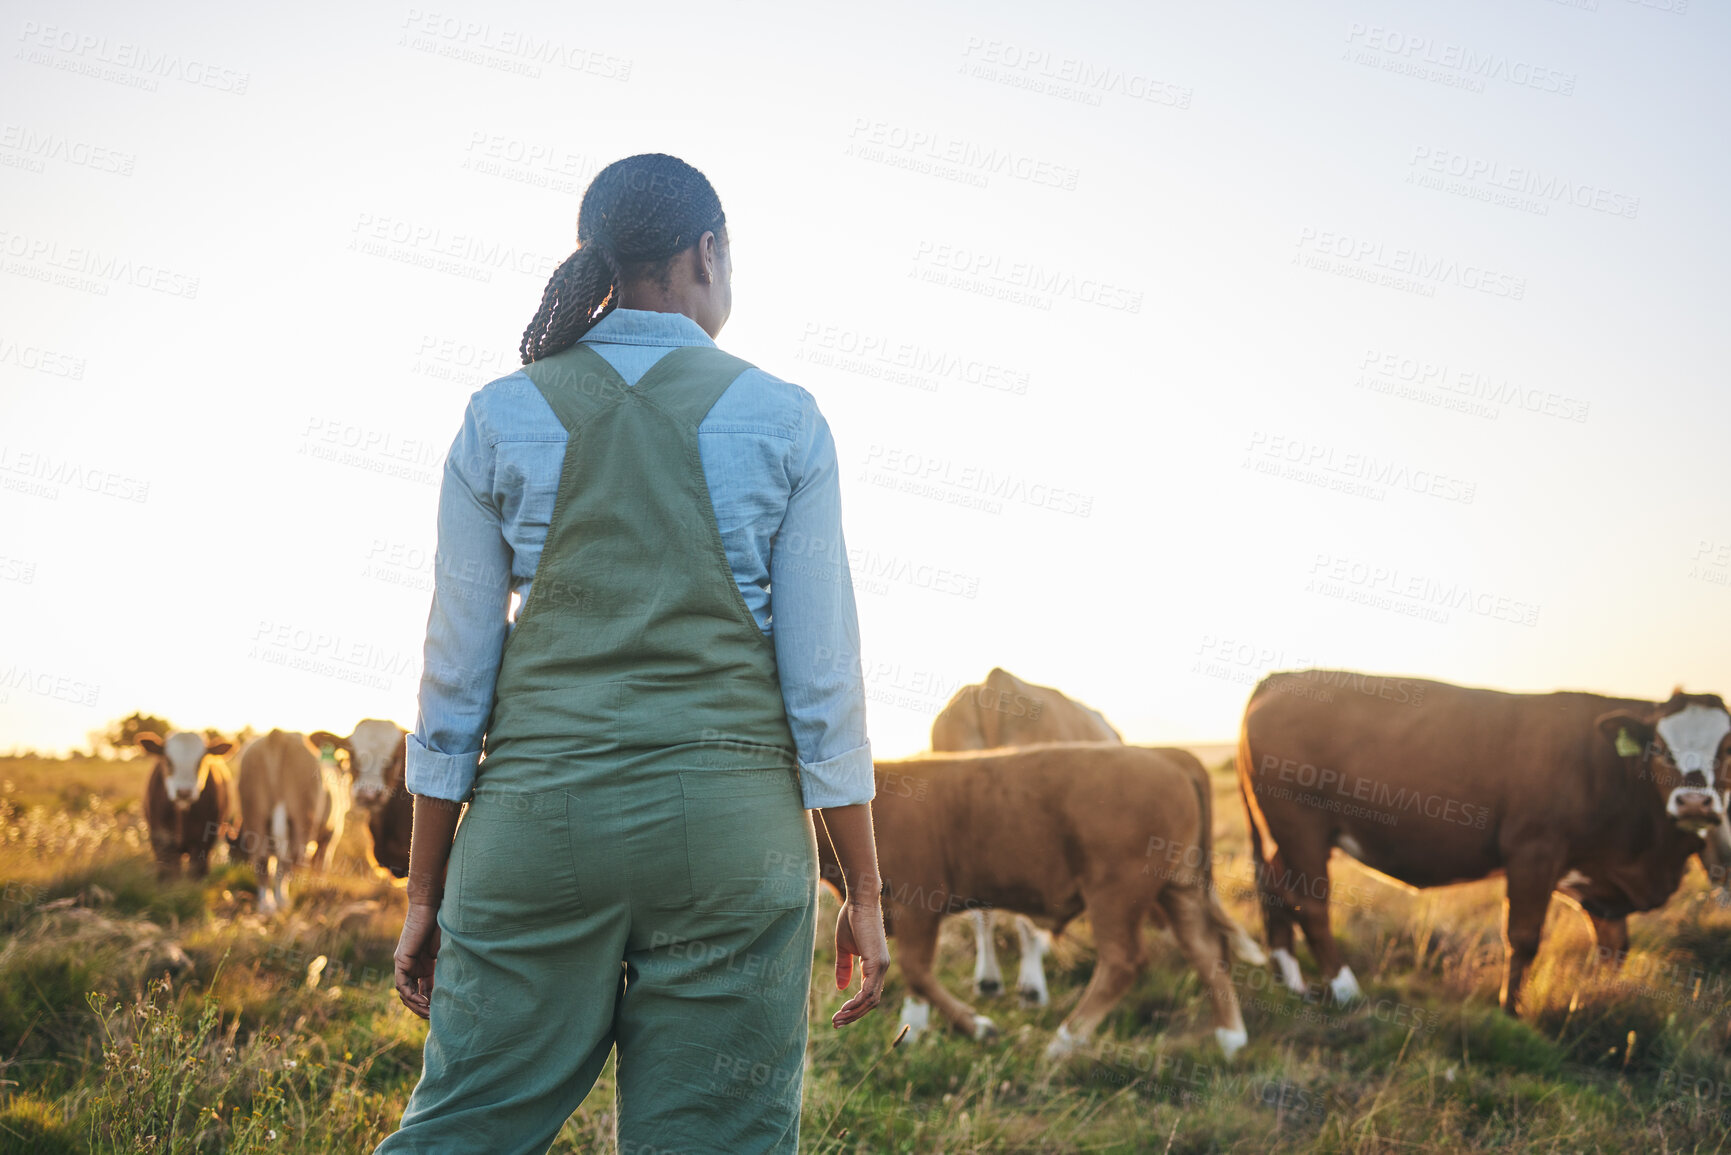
[
  {"x": 1603, "y": 800},
  {"x": 1006, "y": 711},
  {"x": 1051, "y": 831},
  {"x": 189, "y": 801},
  {"x": 377, "y": 752},
  {"x": 288, "y": 797}
]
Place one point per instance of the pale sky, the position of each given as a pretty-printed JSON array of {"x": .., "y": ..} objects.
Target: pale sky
[{"x": 1163, "y": 344}]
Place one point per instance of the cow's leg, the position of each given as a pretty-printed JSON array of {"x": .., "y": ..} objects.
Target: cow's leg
[
  {"x": 167, "y": 861},
  {"x": 261, "y": 872},
  {"x": 1531, "y": 878},
  {"x": 917, "y": 943},
  {"x": 1611, "y": 938},
  {"x": 1031, "y": 978},
  {"x": 988, "y": 978},
  {"x": 198, "y": 861},
  {"x": 1205, "y": 948},
  {"x": 1119, "y": 958},
  {"x": 1313, "y": 919},
  {"x": 288, "y": 852},
  {"x": 1278, "y": 915}
]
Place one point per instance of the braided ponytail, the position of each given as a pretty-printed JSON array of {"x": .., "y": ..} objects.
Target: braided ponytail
[{"x": 636, "y": 216}]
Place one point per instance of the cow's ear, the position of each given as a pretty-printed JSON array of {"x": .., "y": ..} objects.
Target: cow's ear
[
  {"x": 326, "y": 738},
  {"x": 218, "y": 748},
  {"x": 1631, "y": 733},
  {"x": 149, "y": 742}
]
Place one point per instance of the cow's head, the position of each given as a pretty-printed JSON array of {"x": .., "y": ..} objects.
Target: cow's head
[
  {"x": 372, "y": 750},
  {"x": 1684, "y": 746},
  {"x": 182, "y": 757}
]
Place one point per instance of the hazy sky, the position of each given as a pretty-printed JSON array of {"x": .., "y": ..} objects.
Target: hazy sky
[{"x": 1163, "y": 344}]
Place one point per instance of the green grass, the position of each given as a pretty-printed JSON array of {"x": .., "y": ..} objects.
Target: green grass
[{"x": 146, "y": 1016}]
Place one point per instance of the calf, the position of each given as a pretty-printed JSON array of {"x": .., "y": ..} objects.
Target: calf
[
  {"x": 189, "y": 800},
  {"x": 1004, "y": 710},
  {"x": 288, "y": 798},
  {"x": 1603, "y": 800},
  {"x": 377, "y": 753},
  {"x": 1051, "y": 831}
]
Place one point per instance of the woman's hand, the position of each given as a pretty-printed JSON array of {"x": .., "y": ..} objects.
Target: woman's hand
[
  {"x": 417, "y": 949},
  {"x": 859, "y": 933}
]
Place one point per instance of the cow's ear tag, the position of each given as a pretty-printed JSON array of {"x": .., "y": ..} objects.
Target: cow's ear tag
[
  {"x": 1627, "y": 746},
  {"x": 328, "y": 753}
]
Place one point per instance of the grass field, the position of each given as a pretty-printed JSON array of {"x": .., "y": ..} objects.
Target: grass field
[{"x": 169, "y": 1018}]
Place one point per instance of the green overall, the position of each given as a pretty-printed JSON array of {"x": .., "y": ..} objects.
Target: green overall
[{"x": 636, "y": 868}]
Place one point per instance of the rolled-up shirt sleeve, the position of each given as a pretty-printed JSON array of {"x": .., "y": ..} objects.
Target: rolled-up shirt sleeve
[
  {"x": 815, "y": 628},
  {"x": 466, "y": 625}
]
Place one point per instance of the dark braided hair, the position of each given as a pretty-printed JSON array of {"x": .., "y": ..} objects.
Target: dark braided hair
[{"x": 636, "y": 216}]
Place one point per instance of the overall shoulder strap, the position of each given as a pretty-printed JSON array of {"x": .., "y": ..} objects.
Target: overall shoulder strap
[
  {"x": 686, "y": 382},
  {"x": 577, "y": 382}
]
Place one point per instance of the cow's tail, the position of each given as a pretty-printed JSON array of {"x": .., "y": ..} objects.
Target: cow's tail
[{"x": 1242, "y": 946}]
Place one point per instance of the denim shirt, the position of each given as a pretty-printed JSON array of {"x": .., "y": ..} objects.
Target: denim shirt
[{"x": 770, "y": 465}]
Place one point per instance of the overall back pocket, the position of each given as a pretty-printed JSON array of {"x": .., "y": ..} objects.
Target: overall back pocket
[{"x": 748, "y": 840}]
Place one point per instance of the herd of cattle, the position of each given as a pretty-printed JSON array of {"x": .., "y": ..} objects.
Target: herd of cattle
[
  {"x": 1032, "y": 803},
  {"x": 281, "y": 797}
]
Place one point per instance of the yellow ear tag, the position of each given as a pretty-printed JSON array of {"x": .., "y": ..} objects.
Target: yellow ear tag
[{"x": 1627, "y": 746}]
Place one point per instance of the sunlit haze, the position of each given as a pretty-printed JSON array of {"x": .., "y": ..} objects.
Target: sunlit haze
[{"x": 1163, "y": 344}]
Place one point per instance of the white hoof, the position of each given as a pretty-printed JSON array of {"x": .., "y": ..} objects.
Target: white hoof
[
  {"x": 988, "y": 977},
  {"x": 1063, "y": 1044},
  {"x": 1289, "y": 972},
  {"x": 1344, "y": 986},
  {"x": 916, "y": 1017},
  {"x": 1231, "y": 1041},
  {"x": 984, "y": 1028},
  {"x": 266, "y": 903},
  {"x": 1031, "y": 981}
]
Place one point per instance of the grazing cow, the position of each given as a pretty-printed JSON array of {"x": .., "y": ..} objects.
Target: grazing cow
[
  {"x": 288, "y": 797},
  {"x": 1603, "y": 800},
  {"x": 377, "y": 752},
  {"x": 189, "y": 801},
  {"x": 1006, "y": 711},
  {"x": 1052, "y": 831}
]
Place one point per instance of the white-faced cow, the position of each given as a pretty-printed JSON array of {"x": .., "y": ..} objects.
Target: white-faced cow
[
  {"x": 1004, "y": 710},
  {"x": 189, "y": 801},
  {"x": 377, "y": 753},
  {"x": 288, "y": 798},
  {"x": 1051, "y": 831},
  {"x": 1603, "y": 800}
]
